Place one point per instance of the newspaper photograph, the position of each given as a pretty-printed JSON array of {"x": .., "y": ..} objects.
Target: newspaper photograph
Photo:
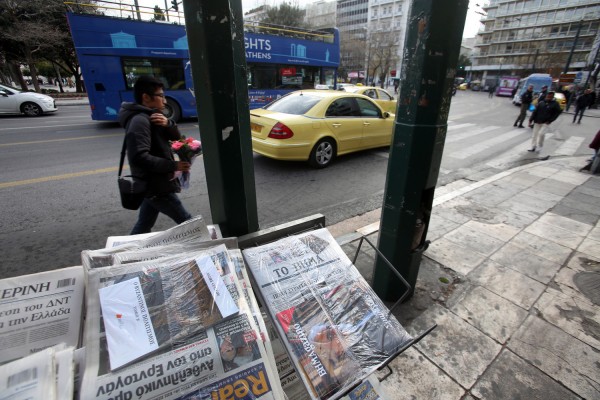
[
  {"x": 40, "y": 310},
  {"x": 225, "y": 361},
  {"x": 334, "y": 326}
]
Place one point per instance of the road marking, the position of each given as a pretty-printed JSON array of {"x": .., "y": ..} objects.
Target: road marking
[
  {"x": 59, "y": 140},
  {"x": 486, "y": 144},
  {"x": 5, "y": 185},
  {"x": 570, "y": 146},
  {"x": 464, "y": 135},
  {"x": 455, "y": 127},
  {"x": 38, "y": 127}
]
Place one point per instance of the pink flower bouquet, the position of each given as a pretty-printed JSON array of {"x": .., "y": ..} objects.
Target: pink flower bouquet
[{"x": 187, "y": 149}]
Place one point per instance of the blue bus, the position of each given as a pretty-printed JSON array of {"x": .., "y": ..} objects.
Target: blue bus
[{"x": 114, "y": 52}]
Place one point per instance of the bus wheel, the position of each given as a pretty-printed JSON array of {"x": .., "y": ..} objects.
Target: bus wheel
[{"x": 172, "y": 110}]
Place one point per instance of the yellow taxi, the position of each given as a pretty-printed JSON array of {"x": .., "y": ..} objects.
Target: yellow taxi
[
  {"x": 381, "y": 96},
  {"x": 318, "y": 125},
  {"x": 559, "y": 97}
]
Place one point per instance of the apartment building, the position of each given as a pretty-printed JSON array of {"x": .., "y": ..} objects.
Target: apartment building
[
  {"x": 525, "y": 36},
  {"x": 322, "y": 14}
]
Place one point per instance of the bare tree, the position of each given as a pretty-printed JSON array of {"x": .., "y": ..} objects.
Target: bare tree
[
  {"x": 27, "y": 31},
  {"x": 353, "y": 52},
  {"x": 383, "y": 54}
]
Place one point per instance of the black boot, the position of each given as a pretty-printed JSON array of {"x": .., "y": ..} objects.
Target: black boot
[{"x": 586, "y": 168}]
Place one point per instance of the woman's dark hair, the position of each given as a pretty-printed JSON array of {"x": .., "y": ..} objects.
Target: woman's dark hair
[{"x": 145, "y": 84}]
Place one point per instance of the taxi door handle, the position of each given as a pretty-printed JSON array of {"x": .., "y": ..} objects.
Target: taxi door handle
[
  {"x": 366, "y": 123},
  {"x": 336, "y": 125}
]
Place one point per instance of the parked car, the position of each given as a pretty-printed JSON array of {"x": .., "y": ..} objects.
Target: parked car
[
  {"x": 15, "y": 101},
  {"x": 463, "y": 86},
  {"x": 381, "y": 96},
  {"x": 319, "y": 125}
]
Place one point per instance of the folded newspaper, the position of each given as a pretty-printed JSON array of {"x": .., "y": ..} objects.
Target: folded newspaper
[
  {"x": 334, "y": 326},
  {"x": 47, "y": 374},
  {"x": 193, "y": 230},
  {"x": 224, "y": 361},
  {"x": 40, "y": 310}
]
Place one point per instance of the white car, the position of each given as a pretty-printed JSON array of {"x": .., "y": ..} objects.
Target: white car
[{"x": 15, "y": 101}]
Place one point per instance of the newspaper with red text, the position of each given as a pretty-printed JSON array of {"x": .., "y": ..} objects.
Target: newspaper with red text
[{"x": 335, "y": 328}]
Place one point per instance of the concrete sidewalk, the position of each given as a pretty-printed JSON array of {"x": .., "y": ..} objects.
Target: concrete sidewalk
[{"x": 512, "y": 278}]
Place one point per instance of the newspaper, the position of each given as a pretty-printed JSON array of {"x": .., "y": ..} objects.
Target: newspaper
[
  {"x": 225, "y": 361},
  {"x": 115, "y": 241},
  {"x": 369, "y": 389},
  {"x": 39, "y": 311},
  {"x": 194, "y": 229},
  {"x": 64, "y": 369},
  {"x": 148, "y": 305},
  {"x": 31, "y": 377},
  {"x": 291, "y": 383},
  {"x": 333, "y": 325}
]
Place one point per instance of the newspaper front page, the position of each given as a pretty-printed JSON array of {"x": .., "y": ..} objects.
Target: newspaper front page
[
  {"x": 40, "y": 310},
  {"x": 226, "y": 361},
  {"x": 333, "y": 325}
]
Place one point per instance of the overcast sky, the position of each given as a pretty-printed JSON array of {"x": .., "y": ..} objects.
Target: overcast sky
[{"x": 471, "y": 25}]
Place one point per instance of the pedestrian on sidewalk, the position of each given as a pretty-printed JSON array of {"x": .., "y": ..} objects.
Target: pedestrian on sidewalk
[
  {"x": 593, "y": 164},
  {"x": 148, "y": 133},
  {"x": 543, "y": 93},
  {"x": 491, "y": 91},
  {"x": 545, "y": 113},
  {"x": 526, "y": 100},
  {"x": 582, "y": 102}
]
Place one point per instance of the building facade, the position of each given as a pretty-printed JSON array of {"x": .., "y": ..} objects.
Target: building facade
[
  {"x": 387, "y": 27},
  {"x": 322, "y": 14},
  {"x": 521, "y": 37}
]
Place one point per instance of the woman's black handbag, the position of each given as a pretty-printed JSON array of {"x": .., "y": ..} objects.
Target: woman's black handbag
[{"x": 131, "y": 188}]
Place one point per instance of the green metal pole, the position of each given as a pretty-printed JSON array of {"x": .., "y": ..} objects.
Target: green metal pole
[
  {"x": 431, "y": 55},
  {"x": 215, "y": 33}
]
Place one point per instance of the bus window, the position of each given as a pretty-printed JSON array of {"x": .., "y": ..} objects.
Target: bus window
[{"x": 169, "y": 71}]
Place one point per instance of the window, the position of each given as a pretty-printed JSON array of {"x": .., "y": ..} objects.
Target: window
[
  {"x": 169, "y": 71},
  {"x": 344, "y": 107},
  {"x": 294, "y": 104},
  {"x": 367, "y": 108},
  {"x": 383, "y": 95}
]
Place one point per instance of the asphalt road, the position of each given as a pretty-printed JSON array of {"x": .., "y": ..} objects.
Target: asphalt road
[{"x": 59, "y": 192}]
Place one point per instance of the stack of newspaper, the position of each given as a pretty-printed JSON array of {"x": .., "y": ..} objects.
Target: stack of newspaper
[
  {"x": 171, "y": 317},
  {"x": 333, "y": 325}
]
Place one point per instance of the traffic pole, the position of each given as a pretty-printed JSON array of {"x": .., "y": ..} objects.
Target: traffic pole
[{"x": 431, "y": 53}]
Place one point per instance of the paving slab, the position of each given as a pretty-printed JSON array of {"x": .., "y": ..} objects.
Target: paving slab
[
  {"x": 438, "y": 226},
  {"x": 493, "y": 315},
  {"x": 541, "y": 247},
  {"x": 573, "y": 202},
  {"x": 591, "y": 247},
  {"x": 455, "y": 346},
  {"x": 559, "y": 355},
  {"x": 509, "y": 377},
  {"x": 555, "y": 234},
  {"x": 416, "y": 377},
  {"x": 555, "y": 187},
  {"x": 475, "y": 240},
  {"x": 574, "y": 213},
  {"x": 454, "y": 256},
  {"x": 526, "y": 262},
  {"x": 508, "y": 283},
  {"x": 574, "y": 315},
  {"x": 501, "y": 231}
]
